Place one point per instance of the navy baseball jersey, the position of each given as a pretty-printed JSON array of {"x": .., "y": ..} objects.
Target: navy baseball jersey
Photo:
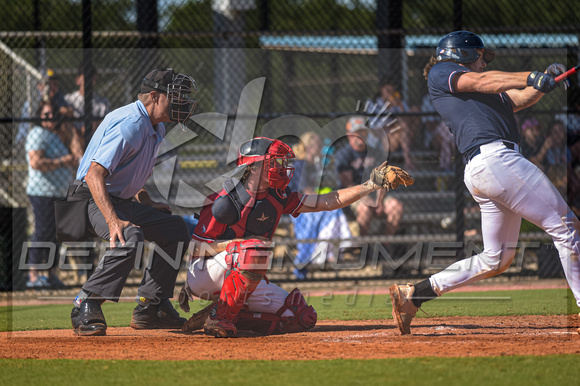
[
  {"x": 473, "y": 118},
  {"x": 259, "y": 217}
]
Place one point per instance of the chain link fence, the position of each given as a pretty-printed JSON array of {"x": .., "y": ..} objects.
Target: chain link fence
[{"x": 277, "y": 69}]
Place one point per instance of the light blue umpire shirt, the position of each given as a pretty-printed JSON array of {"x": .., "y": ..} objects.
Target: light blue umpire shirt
[{"x": 126, "y": 144}]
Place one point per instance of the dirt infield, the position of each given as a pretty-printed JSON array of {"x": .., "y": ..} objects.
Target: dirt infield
[{"x": 370, "y": 339}]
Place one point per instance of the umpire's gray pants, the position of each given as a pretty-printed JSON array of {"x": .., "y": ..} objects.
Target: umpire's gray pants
[{"x": 168, "y": 232}]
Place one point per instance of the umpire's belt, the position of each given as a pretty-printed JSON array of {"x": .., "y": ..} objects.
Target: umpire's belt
[
  {"x": 493, "y": 146},
  {"x": 80, "y": 189}
]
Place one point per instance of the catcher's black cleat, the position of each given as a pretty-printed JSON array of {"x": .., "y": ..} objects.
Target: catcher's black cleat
[
  {"x": 88, "y": 319},
  {"x": 156, "y": 316}
]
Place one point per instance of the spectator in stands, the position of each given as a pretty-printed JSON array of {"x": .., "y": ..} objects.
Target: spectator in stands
[
  {"x": 573, "y": 174},
  {"x": 310, "y": 179},
  {"x": 353, "y": 164},
  {"x": 48, "y": 90},
  {"x": 534, "y": 145},
  {"x": 571, "y": 116},
  {"x": 429, "y": 122},
  {"x": 557, "y": 153},
  {"x": 437, "y": 135},
  {"x": 557, "y": 156},
  {"x": 393, "y": 132},
  {"x": 53, "y": 152},
  {"x": 101, "y": 105}
]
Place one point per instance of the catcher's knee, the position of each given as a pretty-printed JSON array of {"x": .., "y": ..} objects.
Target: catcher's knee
[
  {"x": 294, "y": 316},
  {"x": 304, "y": 318}
]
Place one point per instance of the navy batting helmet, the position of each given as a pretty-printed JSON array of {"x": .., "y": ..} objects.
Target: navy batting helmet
[{"x": 461, "y": 46}]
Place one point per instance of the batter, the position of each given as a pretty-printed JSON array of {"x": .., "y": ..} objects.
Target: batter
[{"x": 478, "y": 107}]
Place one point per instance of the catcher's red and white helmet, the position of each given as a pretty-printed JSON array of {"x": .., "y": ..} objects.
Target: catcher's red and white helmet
[{"x": 273, "y": 153}]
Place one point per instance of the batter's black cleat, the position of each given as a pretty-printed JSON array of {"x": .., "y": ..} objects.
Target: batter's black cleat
[
  {"x": 88, "y": 319},
  {"x": 156, "y": 316}
]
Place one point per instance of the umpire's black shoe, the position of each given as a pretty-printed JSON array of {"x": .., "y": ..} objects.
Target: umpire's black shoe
[
  {"x": 88, "y": 319},
  {"x": 156, "y": 316}
]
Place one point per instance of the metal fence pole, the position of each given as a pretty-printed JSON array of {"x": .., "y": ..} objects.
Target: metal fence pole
[
  {"x": 459, "y": 165},
  {"x": 88, "y": 68}
]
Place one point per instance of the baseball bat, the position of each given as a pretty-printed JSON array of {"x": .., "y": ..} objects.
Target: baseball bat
[{"x": 571, "y": 71}]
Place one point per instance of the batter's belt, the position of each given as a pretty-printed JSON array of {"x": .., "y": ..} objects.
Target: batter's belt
[{"x": 508, "y": 144}]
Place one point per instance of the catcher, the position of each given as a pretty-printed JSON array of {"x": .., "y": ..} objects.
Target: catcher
[{"x": 232, "y": 242}]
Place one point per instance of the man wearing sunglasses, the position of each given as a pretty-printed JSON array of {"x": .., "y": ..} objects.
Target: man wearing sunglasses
[{"x": 478, "y": 107}]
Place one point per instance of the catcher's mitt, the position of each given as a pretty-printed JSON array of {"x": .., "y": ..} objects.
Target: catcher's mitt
[
  {"x": 198, "y": 319},
  {"x": 390, "y": 177}
]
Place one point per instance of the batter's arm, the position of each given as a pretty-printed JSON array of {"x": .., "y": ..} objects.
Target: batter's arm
[
  {"x": 515, "y": 84},
  {"x": 522, "y": 99},
  {"x": 489, "y": 82}
]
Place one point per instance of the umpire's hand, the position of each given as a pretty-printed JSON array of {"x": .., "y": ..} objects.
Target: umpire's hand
[{"x": 116, "y": 227}]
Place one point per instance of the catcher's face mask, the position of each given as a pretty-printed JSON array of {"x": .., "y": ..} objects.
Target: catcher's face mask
[{"x": 274, "y": 154}]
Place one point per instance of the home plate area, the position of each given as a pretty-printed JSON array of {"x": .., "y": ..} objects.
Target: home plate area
[{"x": 357, "y": 339}]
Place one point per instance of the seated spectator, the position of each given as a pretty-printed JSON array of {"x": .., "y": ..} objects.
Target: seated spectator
[
  {"x": 571, "y": 116},
  {"x": 557, "y": 152},
  {"x": 53, "y": 152},
  {"x": 573, "y": 174},
  {"x": 101, "y": 105},
  {"x": 533, "y": 144},
  {"x": 310, "y": 179},
  {"x": 429, "y": 122},
  {"x": 446, "y": 145},
  {"x": 353, "y": 163},
  {"x": 557, "y": 156},
  {"x": 437, "y": 135},
  {"x": 393, "y": 132}
]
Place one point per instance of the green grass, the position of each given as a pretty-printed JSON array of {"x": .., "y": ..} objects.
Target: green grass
[
  {"x": 512, "y": 370},
  {"x": 490, "y": 303},
  {"x": 339, "y": 307},
  {"x": 545, "y": 370}
]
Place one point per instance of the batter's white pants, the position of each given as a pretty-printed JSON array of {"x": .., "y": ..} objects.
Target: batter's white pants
[
  {"x": 508, "y": 187},
  {"x": 205, "y": 278}
]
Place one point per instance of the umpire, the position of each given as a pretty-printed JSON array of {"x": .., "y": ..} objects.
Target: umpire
[{"x": 117, "y": 163}]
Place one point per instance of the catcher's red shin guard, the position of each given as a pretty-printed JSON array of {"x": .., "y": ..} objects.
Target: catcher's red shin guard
[
  {"x": 251, "y": 266},
  {"x": 303, "y": 319},
  {"x": 305, "y": 316}
]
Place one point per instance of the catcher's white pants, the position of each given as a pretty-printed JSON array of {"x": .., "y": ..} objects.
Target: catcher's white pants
[
  {"x": 508, "y": 187},
  {"x": 205, "y": 278}
]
